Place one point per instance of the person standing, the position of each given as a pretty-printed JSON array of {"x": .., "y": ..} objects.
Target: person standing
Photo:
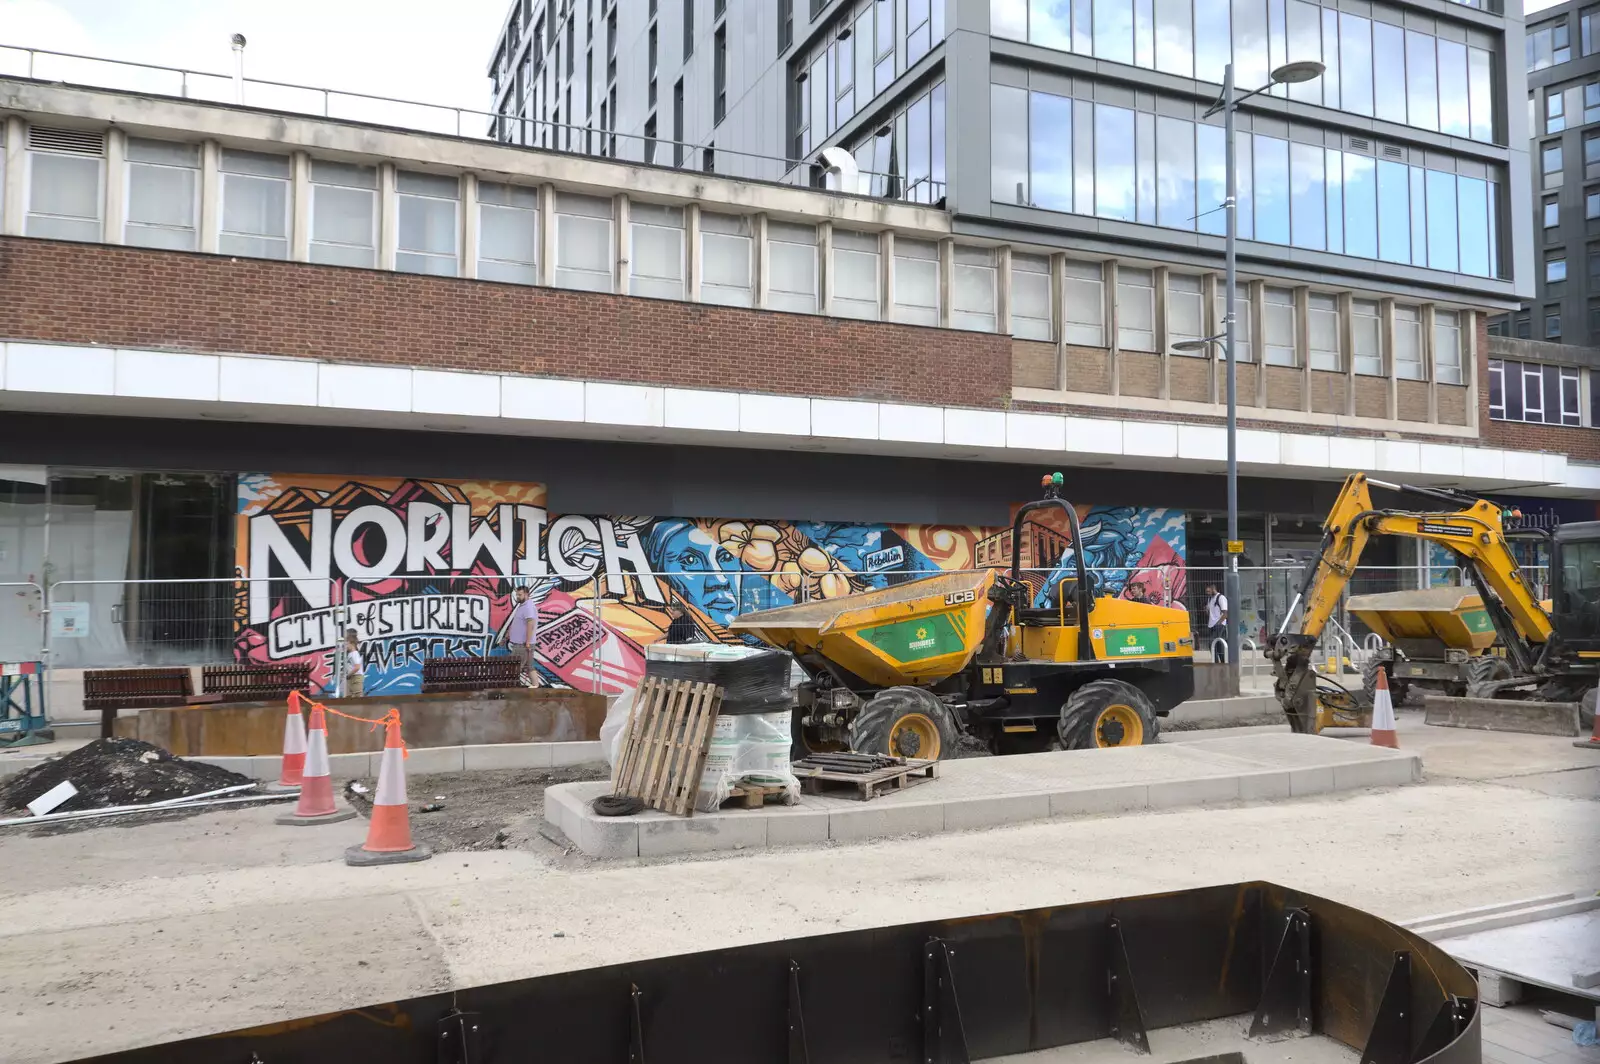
[
  {"x": 1216, "y": 619},
  {"x": 681, "y": 627},
  {"x": 522, "y": 633},
  {"x": 354, "y": 667}
]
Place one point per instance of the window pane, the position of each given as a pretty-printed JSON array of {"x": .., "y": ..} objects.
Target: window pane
[
  {"x": 916, "y": 282},
  {"x": 1271, "y": 189},
  {"x": 1334, "y": 162},
  {"x": 583, "y": 252},
  {"x": 1480, "y": 92},
  {"x": 1211, "y": 163},
  {"x": 1454, "y": 105},
  {"x": 1389, "y": 71},
  {"x": 794, "y": 277},
  {"x": 1473, "y": 206},
  {"x": 1050, "y": 151},
  {"x": 1442, "y": 232},
  {"x": 1113, "y": 162},
  {"x": 341, "y": 215},
  {"x": 1113, "y": 30},
  {"x": 1144, "y": 157},
  {"x": 427, "y": 225},
  {"x": 1555, "y": 269},
  {"x": 655, "y": 268},
  {"x": 1031, "y": 315},
  {"x": 1422, "y": 90},
  {"x": 1008, "y": 123},
  {"x": 1250, "y": 42},
  {"x": 1365, "y": 337},
  {"x": 1136, "y": 310},
  {"x": 1049, "y": 22},
  {"x": 1007, "y": 18},
  {"x": 1308, "y": 202},
  {"x": 1212, "y": 39},
  {"x": 1175, "y": 177},
  {"x": 161, "y": 195},
  {"x": 1084, "y": 289},
  {"x": 972, "y": 303},
  {"x": 66, "y": 187},
  {"x": 1185, "y": 311},
  {"x": 1278, "y": 313},
  {"x": 1174, "y": 34},
  {"x": 1304, "y": 22},
  {"x": 1408, "y": 343},
  {"x": 1322, "y": 330},
  {"x": 1447, "y": 347},
  {"x": 1355, "y": 64},
  {"x": 1394, "y": 212}
]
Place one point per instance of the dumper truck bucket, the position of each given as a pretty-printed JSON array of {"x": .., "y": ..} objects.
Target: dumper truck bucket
[
  {"x": 1222, "y": 974},
  {"x": 918, "y": 632},
  {"x": 1453, "y": 615}
]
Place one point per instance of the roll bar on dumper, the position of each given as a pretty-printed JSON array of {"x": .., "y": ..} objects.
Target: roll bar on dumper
[{"x": 1551, "y": 656}]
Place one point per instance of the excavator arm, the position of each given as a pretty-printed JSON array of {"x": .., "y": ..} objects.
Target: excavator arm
[{"x": 1475, "y": 533}]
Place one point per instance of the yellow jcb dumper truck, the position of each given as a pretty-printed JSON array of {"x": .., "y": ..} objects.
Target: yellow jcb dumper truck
[
  {"x": 1550, "y": 656},
  {"x": 904, "y": 670}
]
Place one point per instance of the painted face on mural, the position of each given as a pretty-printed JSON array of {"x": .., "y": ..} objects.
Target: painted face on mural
[{"x": 698, "y": 567}]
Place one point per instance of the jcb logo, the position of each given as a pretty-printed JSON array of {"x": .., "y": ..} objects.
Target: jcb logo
[{"x": 956, "y": 598}]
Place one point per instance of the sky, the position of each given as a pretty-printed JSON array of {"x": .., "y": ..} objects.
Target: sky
[{"x": 436, "y": 52}]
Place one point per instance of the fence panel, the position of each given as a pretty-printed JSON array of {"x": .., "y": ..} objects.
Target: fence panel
[{"x": 22, "y": 621}]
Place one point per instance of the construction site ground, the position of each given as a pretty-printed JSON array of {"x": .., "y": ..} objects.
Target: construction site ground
[{"x": 119, "y": 936}]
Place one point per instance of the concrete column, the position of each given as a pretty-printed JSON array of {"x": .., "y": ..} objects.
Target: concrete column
[
  {"x": 1002, "y": 289},
  {"x": 1108, "y": 275},
  {"x": 1258, "y": 338},
  {"x": 116, "y": 178},
  {"x": 547, "y": 235},
  {"x": 1430, "y": 370},
  {"x": 470, "y": 237},
  {"x": 1212, "y": 323},
  {"x": 12, "y": 207},
  {"x": 763, "y": 260},
  {"x": 1470, "y": 354},
  {"x": 1159, "y": 280},
  {"x": 691, "y": 252},
  {"x": 210, "y": 195},
  {"x": 947, "y": 279},
  {"x": 1058, "y": 309},
  {"x": 1302, "y": 342},
  {"x": 1347, "y": 350},
  {"x": 624, "y": 246},
  {"x": 886, "y": 275},
  {"x": 388, "y": 217},
  {"x": 1386, "y": 329},
  {"x": 300, "y": 207},
  {"x": 825, "y": 267}
]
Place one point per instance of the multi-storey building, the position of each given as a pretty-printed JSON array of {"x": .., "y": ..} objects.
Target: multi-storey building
[{"x": 339, "y": 360}]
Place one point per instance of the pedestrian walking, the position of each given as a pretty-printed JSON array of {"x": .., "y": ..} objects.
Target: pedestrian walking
[
  {"x": 522, "y": 633},
  {"x": 1216, "y": 621},
  {"x": 354, "y": 666}
]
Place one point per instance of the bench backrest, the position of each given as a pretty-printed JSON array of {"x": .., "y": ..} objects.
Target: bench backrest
[{"x": 101, "y": 684}]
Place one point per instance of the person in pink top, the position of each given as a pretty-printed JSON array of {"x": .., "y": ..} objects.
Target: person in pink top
[{"x": 522, "y": 632}]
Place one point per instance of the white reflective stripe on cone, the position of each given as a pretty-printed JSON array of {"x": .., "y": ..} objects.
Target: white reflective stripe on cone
[
  {"x": 294, "y": 734},
  {"x": 391, "y": 778},
  {"x": 317, "y": 754}
]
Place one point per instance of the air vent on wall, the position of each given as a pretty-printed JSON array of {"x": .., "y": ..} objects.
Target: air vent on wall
[
  {"x": 1392, "y": 152},
  {"x": 67, "y": 141},
  {"x": 1360, "y": 144}
]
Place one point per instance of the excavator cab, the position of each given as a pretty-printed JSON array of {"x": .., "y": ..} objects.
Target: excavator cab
[{"x": 1575, "y": 587}]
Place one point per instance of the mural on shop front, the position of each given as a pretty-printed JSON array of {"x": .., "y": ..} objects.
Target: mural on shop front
[{"x": 426, "y": 569}]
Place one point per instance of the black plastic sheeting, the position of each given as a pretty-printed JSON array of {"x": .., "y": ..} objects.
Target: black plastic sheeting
[{"x": 752, "y": 683}]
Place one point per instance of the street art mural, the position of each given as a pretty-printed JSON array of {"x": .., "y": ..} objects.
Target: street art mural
[{"x": 426, "y": 569}]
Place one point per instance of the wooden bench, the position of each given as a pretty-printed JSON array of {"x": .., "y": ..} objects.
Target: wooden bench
[
  {"x": 109, "y": 690},
  {"x": 469, "y": 674},
  {"x": 255, "y": 682}
]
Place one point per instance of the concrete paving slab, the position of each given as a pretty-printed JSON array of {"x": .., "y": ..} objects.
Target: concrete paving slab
[{"x": 985, "y": 792}]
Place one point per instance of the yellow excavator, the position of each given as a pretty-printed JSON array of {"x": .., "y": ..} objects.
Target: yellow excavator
[{"x": 1550, "y": 656}]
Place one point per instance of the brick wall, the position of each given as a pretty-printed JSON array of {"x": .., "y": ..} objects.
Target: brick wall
[
  {"x": 1139, "y": 373},
  {"x": 89, "y": 293},
  {"x": 1329, "y": 392},
  {"x": 1244, "y": 382},
  {"x": 1189, "y": 378},
  {"x": 1411, "y": 400},
  {"x": 1088, "y": 369},
  {"x": 1372, "y": 397},
  {"x": 1033, "y": 364},
  {"x": 1452, "y": 404},
  {"x": 1283, "y": 388},
  {"x": 1580, "y": 444}
]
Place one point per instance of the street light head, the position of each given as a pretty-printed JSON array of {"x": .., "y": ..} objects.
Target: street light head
[
  {"x": 1295, "y": 73},
  {"x": 1192, "y": 345}
]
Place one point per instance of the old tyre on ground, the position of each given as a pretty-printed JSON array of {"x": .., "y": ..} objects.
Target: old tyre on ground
[
  {"x": 905, "y": 722},
  {"x": 1485, "y": 669},
  {"x": 1107, "y": 713},
  {"x": 1398, "y": 689}
]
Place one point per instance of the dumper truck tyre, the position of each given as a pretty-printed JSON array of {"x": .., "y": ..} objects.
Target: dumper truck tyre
[
  {"x": 1398, "y": 689},
  {"x": 1483, "y": 670},
  {"x": 905, "y": 722},
  {"x": 1105, "y": 713}
]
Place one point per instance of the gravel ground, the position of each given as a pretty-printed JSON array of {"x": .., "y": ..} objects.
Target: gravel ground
[{"x": 495, "y": 810}]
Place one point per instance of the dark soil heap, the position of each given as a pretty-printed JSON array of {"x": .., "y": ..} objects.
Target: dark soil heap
[{"x": 111, "y": 772}]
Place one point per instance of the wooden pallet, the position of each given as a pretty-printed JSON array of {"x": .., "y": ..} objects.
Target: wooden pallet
[
  {"x": 754, "y": 795},
  {"x": 669, "y": 736},
  {"x": 868, "y": 785}
]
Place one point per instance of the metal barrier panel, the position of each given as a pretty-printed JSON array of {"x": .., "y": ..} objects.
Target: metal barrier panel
[{"x": 22, "y": 621}]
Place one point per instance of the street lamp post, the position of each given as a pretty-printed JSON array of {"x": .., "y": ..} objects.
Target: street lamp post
[{"x": 1288, "y": 74}]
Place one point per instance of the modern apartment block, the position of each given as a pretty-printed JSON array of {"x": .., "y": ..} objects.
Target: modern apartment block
[{"x": 323, "y": 356}]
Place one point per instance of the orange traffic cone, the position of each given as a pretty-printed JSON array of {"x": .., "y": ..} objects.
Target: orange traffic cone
[
  {"x": 1383, "y": 722},
  {"x": 316, "y": 783},
  {"x": 389, "y": 834},
  {"x": 294, "y": 746},
  {"x": 1593, "y": 740}
]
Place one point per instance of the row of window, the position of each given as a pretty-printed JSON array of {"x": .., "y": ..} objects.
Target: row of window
[
  {"x": 1561, "y": 104},
  {"x": 1552, "y": 161},
  {"x": 1374, "y": 67},
  {"x": 875, "y": 41},
  {"x": 1081, "y": 157},
  {"x": 1526, "y": 391},
  {"x": 1550, "y": 44},
  {"x": 65, "y": 198}
]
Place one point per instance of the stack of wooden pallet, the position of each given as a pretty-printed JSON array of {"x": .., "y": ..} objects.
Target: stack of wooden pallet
[{"x": 668, "y": 738}]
